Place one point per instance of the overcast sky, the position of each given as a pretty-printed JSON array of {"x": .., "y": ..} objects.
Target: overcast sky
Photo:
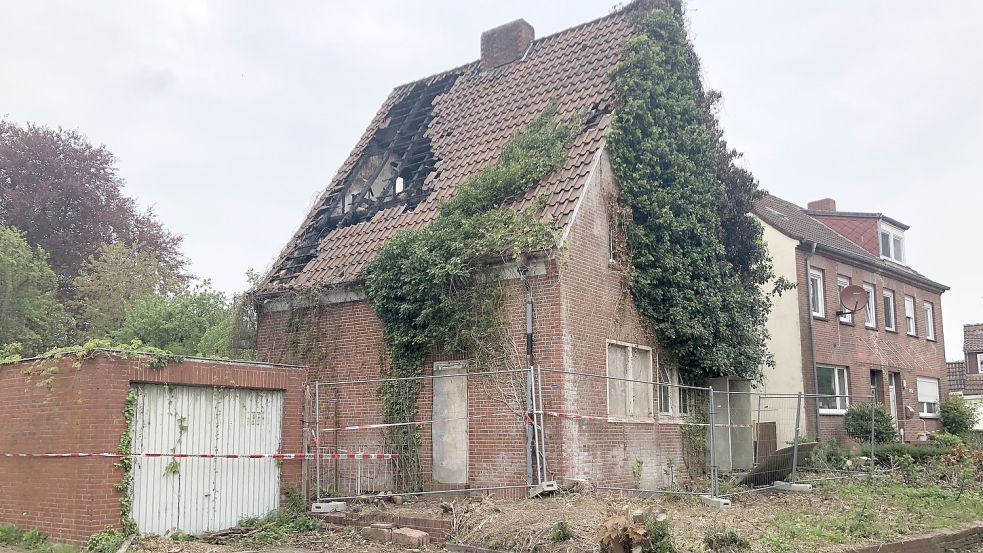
[{"x": 230, "y": 117}]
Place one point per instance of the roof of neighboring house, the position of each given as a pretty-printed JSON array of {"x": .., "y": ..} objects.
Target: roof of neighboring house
[
  {"x": 470, "y": 122},
  {"x": 797, "y": 223},
  {"x": 956, "y": 372},
  {"x": 973, "y": 338},
  {"x": 859, "y": 214},
  {"x": 974, "y": 385}
]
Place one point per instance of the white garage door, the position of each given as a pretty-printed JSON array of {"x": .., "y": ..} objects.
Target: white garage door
[{"x": 199, "y": 494}]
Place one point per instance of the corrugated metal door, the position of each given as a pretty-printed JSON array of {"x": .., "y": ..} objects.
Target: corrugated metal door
[{"x": 198, "y": 494}]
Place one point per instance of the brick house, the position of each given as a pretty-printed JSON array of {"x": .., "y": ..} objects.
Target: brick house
[
  {"x": 893, "y": 349},
  {"x": 966, "y": 376},
  {"x": 427, "y": 138}
]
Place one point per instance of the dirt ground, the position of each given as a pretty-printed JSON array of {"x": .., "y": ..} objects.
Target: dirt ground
[{"x": 331, "y": 540}]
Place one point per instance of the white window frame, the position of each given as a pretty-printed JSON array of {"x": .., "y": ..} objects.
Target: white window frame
[
  {"x": 929, "y": 310},
  {"x": 926, "y": 398},
  {"x": 910, "y": 320},
  {"x": 629, "y": 398},
  {"x": 841, "y": 389},
  {"x": 979, "y": 362},
  {"x": 893, "y": 311},
  {"x": 870, "y": 311},
  {"x": 841, "y": 283},
  {"x": 820, "y": 309},
  {"x": 894, "y": 234}
]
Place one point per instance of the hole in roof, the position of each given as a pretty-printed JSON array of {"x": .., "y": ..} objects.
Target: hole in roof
[{"x": 391, "y": 171}]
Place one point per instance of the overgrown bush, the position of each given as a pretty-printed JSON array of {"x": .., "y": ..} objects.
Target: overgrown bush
[
  {"x": 883, "y": 453},
  {"x": 275, "y": 527},
  {"x": 958, "y": 417},
  {"x": 721, "y": 539},
  {"x": 31, "y": 540},
  {"x": 107, "y": 541},
  {"x": 620, "y": 534},
  {"x": 948, "y": 441},
  {"x": 828, "y": 455},
  {"x": 857, "y": 423}
]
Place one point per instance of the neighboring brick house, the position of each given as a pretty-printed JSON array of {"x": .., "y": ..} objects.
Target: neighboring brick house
[
  {"x": 966, "y": 376},
  {"x": 894, "y": 347},
  {"x": 429, "y": 137}
]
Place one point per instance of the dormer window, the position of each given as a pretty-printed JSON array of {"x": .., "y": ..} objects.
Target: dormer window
[{"x": 892, "y": 242}]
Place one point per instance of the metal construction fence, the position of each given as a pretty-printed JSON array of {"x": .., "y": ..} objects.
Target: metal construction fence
[{"x": 623, "y": 431}]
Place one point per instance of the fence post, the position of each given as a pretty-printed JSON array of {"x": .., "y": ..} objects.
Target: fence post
[
  {"x": 542, "y": 422},
  {"x": 873, "y": 405},
  {"x": 713, "y": 445},
  {"x": 530, "y": 448},
  {"x": 795, "y": 440},
  {"x": 317, "y": 438}
]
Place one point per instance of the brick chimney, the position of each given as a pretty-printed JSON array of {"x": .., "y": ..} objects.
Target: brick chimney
[
  {"x": 825, "y": 204},
  {"x": 505, "y": 44}
]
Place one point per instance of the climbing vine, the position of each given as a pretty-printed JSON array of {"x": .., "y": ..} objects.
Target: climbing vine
[
  {"x": 46, "y": 366},
  {"x": 699, "y": 266},
  {"x": 125, "y": 463},
  {"x": 431, "y": 287}
]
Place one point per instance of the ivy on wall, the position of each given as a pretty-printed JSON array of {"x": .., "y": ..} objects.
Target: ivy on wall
[
  {"x": 427, "y": 285},
  {"x": 699, "y": 266}
]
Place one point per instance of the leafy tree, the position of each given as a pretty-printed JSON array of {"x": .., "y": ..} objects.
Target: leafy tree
[
  {"x": 857, "y": 423},
  {"x": 958, "y": 417},
  {"x": 29, "y": 310},
  {"x": 183, "y": 324},
  {"x": 700, "y": 268},
  {"x": 114, "y": 278},
  {"x": 65, "y": 195}
]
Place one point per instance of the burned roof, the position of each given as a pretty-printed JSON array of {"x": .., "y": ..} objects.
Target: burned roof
[
  {"x": 797, "y": 223},
  {"x": 433, "y": 134}
]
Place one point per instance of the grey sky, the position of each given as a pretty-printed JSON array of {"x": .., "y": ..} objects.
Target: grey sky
[{"x": 230, "y": 117}]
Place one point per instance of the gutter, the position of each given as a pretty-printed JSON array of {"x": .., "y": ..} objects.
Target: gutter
[{"x": 812, "y": 335}]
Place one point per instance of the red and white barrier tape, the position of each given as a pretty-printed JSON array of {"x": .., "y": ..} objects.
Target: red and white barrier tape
[
  {"x": 412, "y": 423},
  {"x": 284, "y": 456},
  {"x": 576, "y": 416}
]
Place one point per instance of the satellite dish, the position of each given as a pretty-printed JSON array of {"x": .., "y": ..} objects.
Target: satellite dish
[{"x": 853, "y": 298}]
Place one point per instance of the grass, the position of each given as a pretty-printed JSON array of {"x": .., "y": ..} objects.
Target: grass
[
  {"x": 31, "y": 539},
  {"x": 882, "y": 510}
]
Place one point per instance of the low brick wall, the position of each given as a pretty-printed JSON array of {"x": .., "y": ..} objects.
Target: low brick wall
[
  {"x": 439, "y": 529},
  {"x": 82, "y": 412},
  {"x": 963, "y": 539}
]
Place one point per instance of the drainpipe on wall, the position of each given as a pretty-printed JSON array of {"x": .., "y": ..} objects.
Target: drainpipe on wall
[
  {"x": 523, "y": 270},
  {"x": 812, "y": 335}
]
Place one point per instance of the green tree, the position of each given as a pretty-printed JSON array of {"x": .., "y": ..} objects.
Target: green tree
[
  {"x": 29, "y": 310},
  {"x": 190, "y": 323},
  {"x": 958, "y": 417},
  {"x": 858, "y": 424},
  {"x": 117, "y": 276},
  {"x": 700, "y": 267}
]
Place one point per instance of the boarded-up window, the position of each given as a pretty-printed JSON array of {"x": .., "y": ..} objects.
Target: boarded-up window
[{"x": 630, "y": 385}]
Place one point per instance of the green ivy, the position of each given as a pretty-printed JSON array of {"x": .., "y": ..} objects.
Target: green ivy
[
  {"x": 46, "y": 366},
  {"x": 125, "y": 463},
  {"x": 700, "y": 268},
  {"x": 426, "y": 285}
]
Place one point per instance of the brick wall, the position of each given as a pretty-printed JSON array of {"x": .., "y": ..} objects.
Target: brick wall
[
  {"x": 863, "y": 231},
  {"x": 861, "y": 349},
  {"x": 72, "y": 498},
  {"x": 342, "y": 342},
  {"x": 580, "y": 303},
  {"x": 596, "y": 306}
]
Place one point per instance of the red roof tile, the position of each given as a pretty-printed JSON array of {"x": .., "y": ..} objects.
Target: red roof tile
[{"x": 471, "y": 122}]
